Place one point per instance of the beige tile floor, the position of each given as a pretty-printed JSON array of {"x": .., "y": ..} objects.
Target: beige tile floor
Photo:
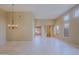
[{"x": 38, "y": 46}]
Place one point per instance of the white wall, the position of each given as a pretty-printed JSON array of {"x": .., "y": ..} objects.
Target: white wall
[
  {"x": 73, "y": 26},
  {"x": 2, "y": 27},
  {"x": 24, "y": 20}
]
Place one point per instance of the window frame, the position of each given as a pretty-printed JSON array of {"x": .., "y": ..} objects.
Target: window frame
[{"x": 66, "y": 28}]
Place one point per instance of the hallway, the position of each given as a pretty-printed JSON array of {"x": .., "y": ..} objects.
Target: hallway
[{"x": 39, "y": 46}]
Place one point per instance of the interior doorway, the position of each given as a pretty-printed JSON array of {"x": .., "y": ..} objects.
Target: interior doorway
[
  {"x": 49, "y": 31},
  {"x": 37, "y": 30}
]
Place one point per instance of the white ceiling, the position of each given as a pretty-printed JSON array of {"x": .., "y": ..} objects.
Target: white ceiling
[{"x": 42, "y": 11}]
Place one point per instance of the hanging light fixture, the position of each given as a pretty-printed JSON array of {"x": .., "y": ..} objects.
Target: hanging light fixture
[{"x": 12, "y": 25}]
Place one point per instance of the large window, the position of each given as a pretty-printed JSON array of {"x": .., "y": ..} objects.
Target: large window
[
  {"x": 56, "y": 30},
  {"x": 76, "y": 13},
  {"x": 66, "y": 26}
]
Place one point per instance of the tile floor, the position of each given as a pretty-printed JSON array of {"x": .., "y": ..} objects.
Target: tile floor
[{"x": 39, "y": 46}]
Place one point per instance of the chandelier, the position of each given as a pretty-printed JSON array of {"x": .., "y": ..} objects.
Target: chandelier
[{"x": 12, "y": 25}]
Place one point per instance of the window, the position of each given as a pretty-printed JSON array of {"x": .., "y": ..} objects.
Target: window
[
  {"x": 66, "y": 26},
  {"x": 56, "y": 29},
  {"x": 66, "y": 18},
  {"x": 76, "y": 13}
]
